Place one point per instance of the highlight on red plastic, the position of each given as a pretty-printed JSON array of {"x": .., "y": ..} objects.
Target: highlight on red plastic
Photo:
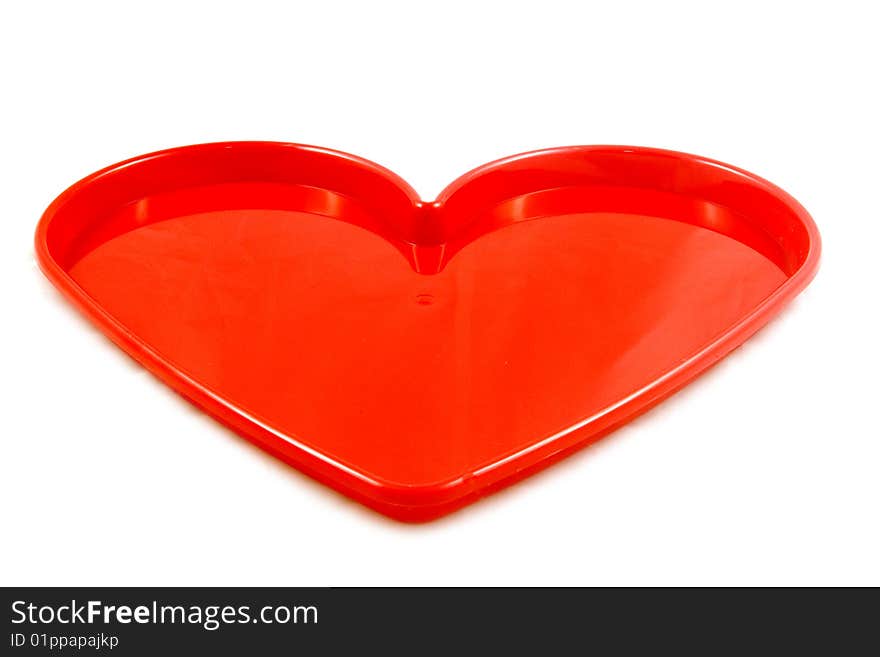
[{"x": 418, "y": 355}]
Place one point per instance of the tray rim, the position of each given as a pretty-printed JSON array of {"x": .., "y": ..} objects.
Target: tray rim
[{"x": 423, "y": 502}]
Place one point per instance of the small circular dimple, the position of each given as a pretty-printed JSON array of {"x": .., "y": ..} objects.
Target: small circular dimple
[{"x": 424, "y": 299}]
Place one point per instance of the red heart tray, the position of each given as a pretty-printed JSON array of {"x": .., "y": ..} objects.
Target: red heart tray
[{"x": 418, "y": 355}]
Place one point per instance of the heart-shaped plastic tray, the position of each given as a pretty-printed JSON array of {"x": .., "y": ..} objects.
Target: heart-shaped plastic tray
[{"x": 417, "y": 355}]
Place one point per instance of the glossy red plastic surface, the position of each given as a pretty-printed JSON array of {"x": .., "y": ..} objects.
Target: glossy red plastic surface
[{"x": 417, "y": 355}]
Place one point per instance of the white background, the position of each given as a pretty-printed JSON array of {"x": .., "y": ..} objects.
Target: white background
[{"x": 764, "y": 471}]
